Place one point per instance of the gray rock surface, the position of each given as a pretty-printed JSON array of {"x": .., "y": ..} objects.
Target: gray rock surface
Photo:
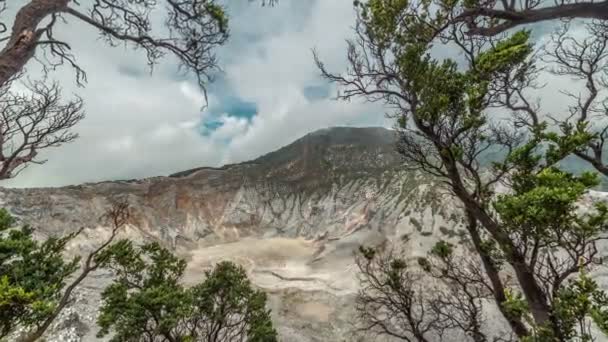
[{"x": 293, "y": 218}]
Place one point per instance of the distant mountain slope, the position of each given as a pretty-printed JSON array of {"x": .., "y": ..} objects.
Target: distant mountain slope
[
  {"x": 295, "y": 213},
  {"x": 313, "y": 149},
  {"x": 293, "y": 217}
]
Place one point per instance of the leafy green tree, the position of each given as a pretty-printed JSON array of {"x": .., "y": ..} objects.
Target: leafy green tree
[
  {"x": 534, "y": 230},
  {"x": 146, "y": 302},
  {"x": 492, "y": 18},
  {"x": 36, "y": 279},
  {"x": 32, "y": 275}
]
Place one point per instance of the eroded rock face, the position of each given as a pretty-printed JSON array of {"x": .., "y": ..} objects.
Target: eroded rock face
[{"x": 293, "y": 218}]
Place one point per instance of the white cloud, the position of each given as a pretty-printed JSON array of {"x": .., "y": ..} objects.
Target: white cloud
[
  {"x": 141, "y": 125},
  {"x": 193, "y": 94}
]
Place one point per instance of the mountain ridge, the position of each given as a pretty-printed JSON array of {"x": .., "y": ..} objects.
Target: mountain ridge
[
  {"x": 293, "y": 219},
  {"x": 329, "y": 132}
]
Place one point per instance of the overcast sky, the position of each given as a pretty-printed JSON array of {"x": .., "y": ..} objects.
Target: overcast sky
[
  {"x": 140, "y": 124},
  {"x": 269, "y": 94}
]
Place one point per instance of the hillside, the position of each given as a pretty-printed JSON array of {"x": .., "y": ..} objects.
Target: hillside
[{"x": 292, "y": 217}]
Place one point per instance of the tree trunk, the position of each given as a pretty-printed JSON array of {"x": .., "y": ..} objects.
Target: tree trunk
[
  {"x": 532, "y": 291},
  {"x": 25, "y": 35},
  {"x": 67, "y": 295},
  {"x": 518, "y": 327},
  {"x": 595, "y": 161},
  {"x": 514, "y": 17}
]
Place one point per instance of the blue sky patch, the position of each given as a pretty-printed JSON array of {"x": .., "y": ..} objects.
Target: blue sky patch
[
  {"x": 226, "y": 103},
  {"x": 209, "y": 126},
  {"x": 234, "y": 106}
]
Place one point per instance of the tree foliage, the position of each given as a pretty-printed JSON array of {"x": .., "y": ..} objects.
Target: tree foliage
[
  {"x": 33, "y": 275},
  {"x": 491, "y": 18},
  {"x": 535, "y": 230},
  {"x": 147, "y": 302},
  {"x": 190, "y": 31},
  {"x": 36, "y": 279}
]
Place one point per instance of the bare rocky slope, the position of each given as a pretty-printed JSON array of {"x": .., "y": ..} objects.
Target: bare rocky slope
[{"x": 292, "y": 217}]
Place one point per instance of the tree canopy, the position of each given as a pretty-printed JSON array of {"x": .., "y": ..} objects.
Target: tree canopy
[
  {"x": 33, "y": 275},
  {"x": 533, "y": 231},
  {"x": 36, "y": 278},
  {"x": 148, "y": 303},
  {"x": 491, "y": 18}
]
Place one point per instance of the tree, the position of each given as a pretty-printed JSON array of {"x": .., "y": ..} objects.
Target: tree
[
  {"x": 392, "y": 300},
  {"x": 146, "y": 302},
  {"x": 27, "y": 297},
  {"x": 31, "y": 121},
  {"x": 534, "y": 231},
  {"x": 36, "y": 280},
  {"x": 396, "y": 300},
  {"x": 491, "y": 18},
  {"x": 486, "y": 18},
  {"x": 583, "y": 131},
  {"x": 38, "y": 118},
  {"x": 192, "y": 30}
]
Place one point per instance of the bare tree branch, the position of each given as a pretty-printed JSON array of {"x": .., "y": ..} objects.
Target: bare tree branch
[
  {"x": 117, "y": 217},
  {"x": 488, "y": 19},
  {"x": 583, "y": 59},
  {"x": 31, "y": 121},
  {"x": 391, "y": 301},
  {"x": 191, "y": 31}
]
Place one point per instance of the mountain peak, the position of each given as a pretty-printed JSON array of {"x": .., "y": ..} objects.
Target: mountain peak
[
  {"x": 314, "y": 146},
  {"x": 353, "y": 135}
]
